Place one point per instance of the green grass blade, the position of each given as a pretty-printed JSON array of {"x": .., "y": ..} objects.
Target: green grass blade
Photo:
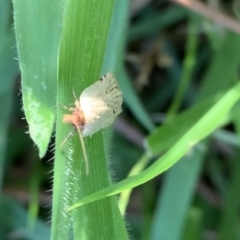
[
  {"x": 177, "y": 182},
  {"x": 37, "y": 29},
  {"x": 203, "y": 127},
  {"x": 114, "y": 58},
  {"x": 227, "y": 137},
  {"x": 222, "y": 74},
  {"x": 114, "y": 53},
  {"x": 229, "y": 219},
  {"x": 157, "y": 21},
  {"x": 194, "y": 226},
  {"x": 137, "y": 168},
  {"x": 34, "y": 190},
  {"x": 8, "y": 72},
  {"x": 229, "y": 222},
  {"x": 133, "y": 101},
  {"x": 189, "y": 62},
  {"x": 173, "y": 130},
  {"x": 82, "y": 50}
]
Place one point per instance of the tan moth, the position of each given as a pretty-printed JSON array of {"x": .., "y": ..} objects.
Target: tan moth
[{"x": 97, "y": 108}]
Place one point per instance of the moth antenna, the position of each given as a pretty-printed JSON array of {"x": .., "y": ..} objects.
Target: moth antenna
[
  {"x": 66, "y": 108},
  {"x": 67, "y": 137},
  {"x": 83, "y": 149},
  {"x": 74, "y": 94}
]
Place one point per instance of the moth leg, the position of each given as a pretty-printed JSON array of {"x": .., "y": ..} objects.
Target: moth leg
[
  {"x": 70, "y": 109},
  {"x": 84, "y": 151},
  {"x": 70, "y": 134}
]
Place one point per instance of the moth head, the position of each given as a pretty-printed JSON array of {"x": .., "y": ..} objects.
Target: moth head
[
  {"x": 67, "y": 118},
  {"x": 76, "y": 118}
]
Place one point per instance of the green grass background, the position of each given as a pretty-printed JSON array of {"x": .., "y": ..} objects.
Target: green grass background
[{"x": 177, "y": 178}]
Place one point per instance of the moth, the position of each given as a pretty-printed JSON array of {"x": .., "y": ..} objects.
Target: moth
[{"x": 96, "y": 109}]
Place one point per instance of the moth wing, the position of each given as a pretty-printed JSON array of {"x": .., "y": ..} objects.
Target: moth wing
[{"x": 101, "y": 103}]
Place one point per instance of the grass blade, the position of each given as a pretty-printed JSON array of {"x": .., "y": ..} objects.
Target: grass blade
[
  {"x": 37, "y": 29},
  {"x": 8, "y": 72},
  {"x": 82, "y": 49}
]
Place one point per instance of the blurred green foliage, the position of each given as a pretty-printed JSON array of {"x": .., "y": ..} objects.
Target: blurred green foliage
[{"x": 179, "y": 75}]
